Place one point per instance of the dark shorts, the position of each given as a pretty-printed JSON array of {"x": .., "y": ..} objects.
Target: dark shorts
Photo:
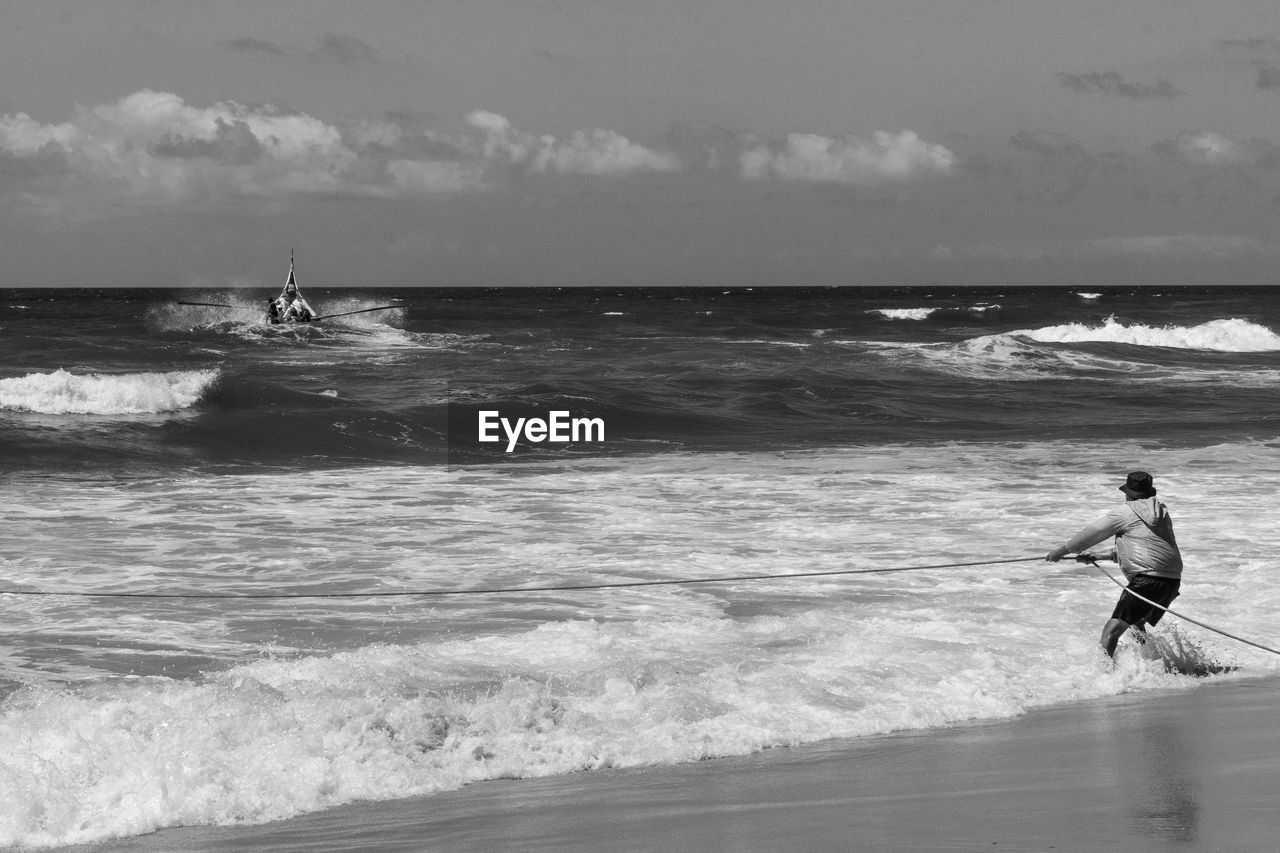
[{"x": 1134, "y": 611}]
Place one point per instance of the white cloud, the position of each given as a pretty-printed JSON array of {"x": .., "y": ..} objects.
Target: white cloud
[
  {"x": 585, "y": 152},
  {"x": 884, "y": 158},
  {"x": 1209, "y": 148},
  {"x": 385, "y": 133},
  {"x": 500, "y": 140},
  {"x": 154, "y": 147},
  {"x": 428, "y": 177},
  {"x": 603, "y": 152},
  {"x": 22, "y": 135}
]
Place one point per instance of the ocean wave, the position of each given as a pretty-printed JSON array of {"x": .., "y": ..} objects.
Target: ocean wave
[
  {"x": 62, "y": 392},
  {"x": 1008, "y": 357},
  {"x": 903, "y": 313},
  {"x": 1027, "y": 354},
  {"x": 1230, "y": 335},
  {"x": 980, "y": 309},
  {"x": 274, "y": 739},
  {"x": 1016, "y": 357}
]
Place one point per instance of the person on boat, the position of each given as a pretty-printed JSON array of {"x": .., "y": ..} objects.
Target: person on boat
[
  {"x": 1147, "y": 552},
  {"x": 293, "y": 308},
  {"x": 273, "y": 312}
]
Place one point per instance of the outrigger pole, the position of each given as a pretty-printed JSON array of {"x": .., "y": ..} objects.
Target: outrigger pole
[{"x": 361, "y": 311}]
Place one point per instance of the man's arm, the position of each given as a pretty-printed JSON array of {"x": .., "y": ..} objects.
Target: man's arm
[{"x": 1100, "y": 529}]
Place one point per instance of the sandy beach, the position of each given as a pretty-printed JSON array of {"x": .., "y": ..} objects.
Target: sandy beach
[{"x": 1161, "y": 770}]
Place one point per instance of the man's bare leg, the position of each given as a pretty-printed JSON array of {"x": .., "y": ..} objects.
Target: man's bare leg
[{"x": 1111, "y": 634}]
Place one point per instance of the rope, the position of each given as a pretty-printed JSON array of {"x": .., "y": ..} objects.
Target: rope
[
  {"x": 510, "y": 589},
  {"x": 497, "y": 590},
  {"x": 1094, "y": 562}
]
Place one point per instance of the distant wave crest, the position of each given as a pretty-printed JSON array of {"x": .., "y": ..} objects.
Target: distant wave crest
[
  {"x": 924, "y": 313},
  {"x": 903, "y": 313},
  {"x": 63, "y": 392},
  {"x": 1233, "y": 335}
]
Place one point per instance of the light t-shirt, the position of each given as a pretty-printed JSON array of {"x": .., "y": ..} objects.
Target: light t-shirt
[{"x": 1145, "y": 544}]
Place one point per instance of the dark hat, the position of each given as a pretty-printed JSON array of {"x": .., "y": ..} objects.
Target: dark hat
[{"x": 1138, "y": 485}]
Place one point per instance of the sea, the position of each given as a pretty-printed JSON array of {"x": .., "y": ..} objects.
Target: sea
[{"x": 250, "y": 572}]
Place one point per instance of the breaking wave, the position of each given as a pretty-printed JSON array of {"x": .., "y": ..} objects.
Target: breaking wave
[
  {"x": 274, "y": 739},
  {"x": 1233, "y": 335},
  {"x": 62, "y": 392},
  {"x": 903, "y": 313},
  {"x": 981, "y": 309}
]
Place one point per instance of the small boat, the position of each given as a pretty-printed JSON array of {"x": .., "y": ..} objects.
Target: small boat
[{"x": 289, "y": 306}]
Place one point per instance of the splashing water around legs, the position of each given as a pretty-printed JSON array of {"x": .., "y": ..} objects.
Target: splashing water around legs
[{"x": 1185, "y": 655}]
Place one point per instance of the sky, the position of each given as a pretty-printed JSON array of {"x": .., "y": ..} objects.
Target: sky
[{"x": 722, "y": 142}]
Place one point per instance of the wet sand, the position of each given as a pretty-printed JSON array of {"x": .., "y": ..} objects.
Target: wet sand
[{"x": 1155, "y": 771}]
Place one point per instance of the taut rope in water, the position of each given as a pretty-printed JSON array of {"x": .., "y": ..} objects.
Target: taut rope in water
[
  {"x": 508, "y": 589},
  {"x": 499, "y": 590}
]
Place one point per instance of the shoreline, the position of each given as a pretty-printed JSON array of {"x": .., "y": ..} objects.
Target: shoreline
[{"x": 1140, "y": 771}]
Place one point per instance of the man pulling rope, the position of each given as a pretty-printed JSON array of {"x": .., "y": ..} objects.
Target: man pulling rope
[{"x": 1147, "y": 552}]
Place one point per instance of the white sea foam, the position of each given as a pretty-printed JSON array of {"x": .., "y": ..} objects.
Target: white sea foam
[
  {"x": 1011, "y": 358},
  {"x": 271, "y": 740},
  {"x": 903, "y": 313},
  {"x": 62, "y": 392},
  {"x": 979, "y": 308},
  {"x": 1022, "y": 355},
  {"x": 1229, "y": 335}
]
